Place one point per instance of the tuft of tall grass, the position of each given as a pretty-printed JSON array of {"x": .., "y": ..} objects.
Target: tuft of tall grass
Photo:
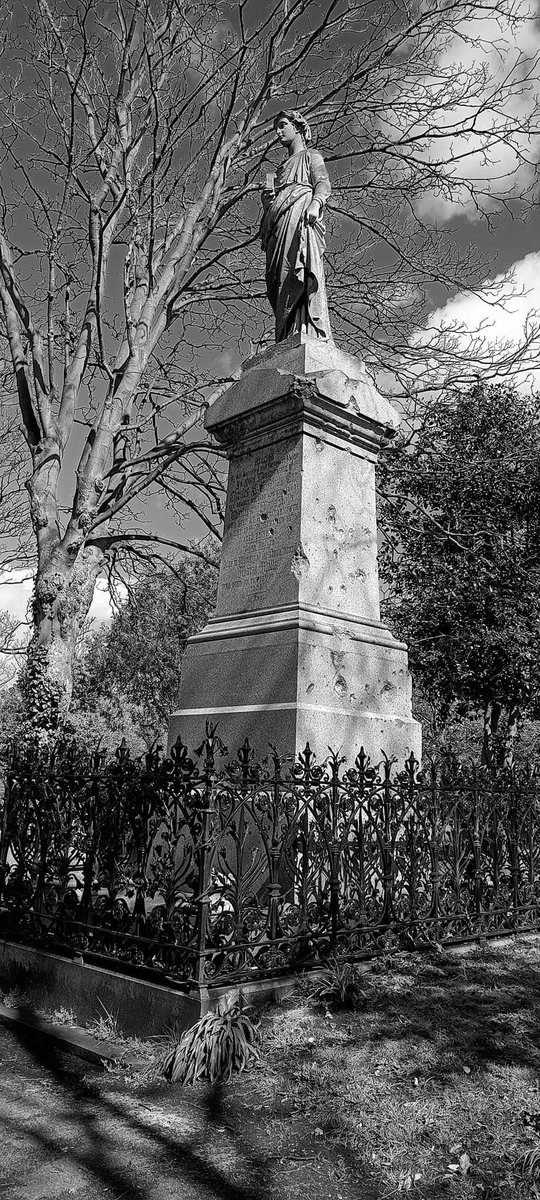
[
  {"x": 339, "y": 987},
  {"x": 218, "y": 1044}
]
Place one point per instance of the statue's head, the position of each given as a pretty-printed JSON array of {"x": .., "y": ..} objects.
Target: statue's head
[{"x": 297, "y": 120}]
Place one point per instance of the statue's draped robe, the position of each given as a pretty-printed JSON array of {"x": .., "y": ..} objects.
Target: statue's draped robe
[{"x": 294, "y": 250}]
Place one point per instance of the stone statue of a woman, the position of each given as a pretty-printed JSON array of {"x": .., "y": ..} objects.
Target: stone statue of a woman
[{"x": 293, "y": 235}]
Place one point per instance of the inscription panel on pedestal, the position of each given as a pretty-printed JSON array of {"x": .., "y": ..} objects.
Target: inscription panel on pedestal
[{"x": 262, "y": 524}]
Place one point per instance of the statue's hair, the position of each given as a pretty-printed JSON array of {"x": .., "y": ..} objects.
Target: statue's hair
[{"x": 296, "y": 119}]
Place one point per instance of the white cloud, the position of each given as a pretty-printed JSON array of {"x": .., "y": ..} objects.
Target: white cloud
[
  {"x": 483, "y": 329},
  {"x": 101, "y": 609},
  {"x": 16, "y": 590},
  {"x": 484, "y": 80}
]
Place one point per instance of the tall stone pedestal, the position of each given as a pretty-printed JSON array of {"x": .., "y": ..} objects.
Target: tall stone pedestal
[{"x": 296, "y": 650}]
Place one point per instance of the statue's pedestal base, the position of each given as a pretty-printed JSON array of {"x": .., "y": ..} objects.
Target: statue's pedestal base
[
  {"x": 291, "y": 676},
  {"x": 296, "y": 650}
]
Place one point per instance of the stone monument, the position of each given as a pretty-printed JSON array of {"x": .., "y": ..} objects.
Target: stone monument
[{"x": 295, "y": 650}]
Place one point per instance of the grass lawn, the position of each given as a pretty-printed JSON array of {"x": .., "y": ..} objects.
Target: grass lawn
[{"x": 422, "y": 1089}]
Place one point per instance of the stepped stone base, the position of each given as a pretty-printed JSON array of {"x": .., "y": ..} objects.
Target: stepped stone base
[{"x": 341, "y": 683}]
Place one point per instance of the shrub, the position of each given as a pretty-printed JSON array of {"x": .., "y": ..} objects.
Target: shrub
[
  {"x": 339, "y": 987},
  {"x": 218, "y": 1044}
]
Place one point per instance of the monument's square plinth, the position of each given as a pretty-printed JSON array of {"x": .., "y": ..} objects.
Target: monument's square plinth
[{"x": 296, "y": 650}]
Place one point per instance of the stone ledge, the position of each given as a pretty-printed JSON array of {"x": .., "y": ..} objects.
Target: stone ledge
[
  {"x": 72, "y": 1039},
  {"x": 296, "y": 617},
  {"x": 140, "y": 1007}
]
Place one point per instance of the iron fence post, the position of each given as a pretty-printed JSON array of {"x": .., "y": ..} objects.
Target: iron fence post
[
  {"x": 274, "y": 891},
  {"x": 477, "y": 855},
  {"x": 204, "y": 851},
  {"x": 434, "y": 818},
  {"x": 334, "y": 850},
  {"x": 409, "y": 816},
  {"x": 387, "y": 850}
]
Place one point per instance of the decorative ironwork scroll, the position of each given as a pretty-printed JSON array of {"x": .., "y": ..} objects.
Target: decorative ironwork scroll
[{"x": 199, "y": 871}]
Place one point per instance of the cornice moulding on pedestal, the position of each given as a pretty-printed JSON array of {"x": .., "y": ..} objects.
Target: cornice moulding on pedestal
[{"x": 317, "y": 382}]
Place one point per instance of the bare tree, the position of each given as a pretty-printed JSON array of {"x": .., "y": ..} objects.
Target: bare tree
[
  {"x": 12, "y": 646},
  {"x": 134, "y": 136}
]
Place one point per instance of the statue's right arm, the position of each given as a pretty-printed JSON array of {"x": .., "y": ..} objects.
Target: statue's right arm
[{"x": 320, "y": 181}]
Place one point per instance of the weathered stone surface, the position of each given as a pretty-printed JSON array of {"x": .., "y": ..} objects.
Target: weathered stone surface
[
  {"x": 338, "y": 376},
  {"x": 262, "y": 528},
  {"x": 291, "y": 676},
  {"x": 296, "y": 650}
]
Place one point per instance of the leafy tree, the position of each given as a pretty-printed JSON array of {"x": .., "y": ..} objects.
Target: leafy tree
[
  {"x": 460, "y": 502},
  {"x": 127, "y": 681},
  {"x": 133, "y": 141}
]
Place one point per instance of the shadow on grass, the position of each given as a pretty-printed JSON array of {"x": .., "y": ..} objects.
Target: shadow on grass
[
  {"x": 484, "y": 1008},
  {"x": 98, "y": 1120},
  {"x": 481, "y": 1011},
  {"x": 98, "y": 1127},
  {"x": 447, "y": 1028}
]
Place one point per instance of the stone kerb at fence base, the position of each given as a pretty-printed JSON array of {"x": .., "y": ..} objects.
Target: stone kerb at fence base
[{"x": 296, "y": 650}]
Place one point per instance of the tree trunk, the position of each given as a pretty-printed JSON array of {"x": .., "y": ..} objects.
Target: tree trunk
[
  {"x": 486, "y": 759},
  {"x": 63, "y": 591},
  {"x": 511, "y": 733},
  {"x": 492, "y": 716}
]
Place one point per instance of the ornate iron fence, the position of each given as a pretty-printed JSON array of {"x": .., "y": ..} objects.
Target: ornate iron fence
[{"x": 199, "y": 871}]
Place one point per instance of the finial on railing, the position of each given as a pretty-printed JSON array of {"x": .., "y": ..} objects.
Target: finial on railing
[
  {"x": 411, "y": 766},
  {"x": 211, "y": 745},
  {"x": 123, "y": 752},
  {"x": 153, "y": 756},
  {"x": 387, "y": 764},
  {"x": 97, "y": 758},
  {"x": 336, "y": 761},
  {"x": 179, "y": 754},
  {"x": 363, "y": 773},
  {"x": 306, "y": 762},
  {"x": 245, "y": 756}
]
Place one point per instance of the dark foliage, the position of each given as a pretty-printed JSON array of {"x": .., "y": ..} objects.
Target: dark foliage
[
  {"x": 460, "y": 503},
  {"x": 130, "y": 671}
]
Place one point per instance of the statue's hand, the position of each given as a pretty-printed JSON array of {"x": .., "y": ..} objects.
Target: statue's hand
[
  {"x": 267, "y": 195},
  {"x": 313, "y": 212}
]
